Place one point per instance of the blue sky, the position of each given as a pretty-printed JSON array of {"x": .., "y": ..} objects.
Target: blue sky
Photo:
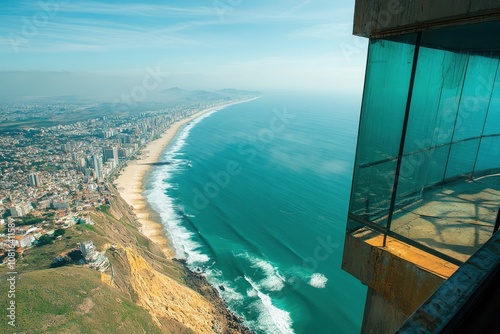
[{"x": 246, "y": 44}]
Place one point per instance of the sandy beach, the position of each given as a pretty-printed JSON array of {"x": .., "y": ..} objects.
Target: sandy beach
[{"x": 130, "y": 182}]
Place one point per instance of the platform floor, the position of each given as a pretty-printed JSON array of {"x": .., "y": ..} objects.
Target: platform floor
[{"x": 455, "y": 219}]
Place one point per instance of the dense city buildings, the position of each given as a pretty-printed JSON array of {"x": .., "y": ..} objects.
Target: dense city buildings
[{"x": 52, "y": 175}]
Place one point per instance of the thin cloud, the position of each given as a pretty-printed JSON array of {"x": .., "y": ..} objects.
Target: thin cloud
[
  {"x": 94, "y": 35},
  {"x": 323, "y": 31},
  {"x": 287, "y": 44},
  {"x": 121, "y": 9},
  {"x": 295, "y": 8}
]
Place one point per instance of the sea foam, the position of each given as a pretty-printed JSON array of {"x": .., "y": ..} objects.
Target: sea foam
[
  {"x": 318, "y": 281},
  {"x": 229, "y": 292},
  {"x": 274, "y": 280},
  {"x": 271, "y": 319},
  {"x": 181, "y": 238}
]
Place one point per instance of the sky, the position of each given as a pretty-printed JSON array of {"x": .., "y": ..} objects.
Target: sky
[{"x": 101, "y": 48}]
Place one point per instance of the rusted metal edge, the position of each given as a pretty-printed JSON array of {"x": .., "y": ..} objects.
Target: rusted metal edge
[{"x": 455, "y": 296}]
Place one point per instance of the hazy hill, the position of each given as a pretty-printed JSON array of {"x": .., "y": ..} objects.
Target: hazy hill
[{"x": 178, "y": 94}]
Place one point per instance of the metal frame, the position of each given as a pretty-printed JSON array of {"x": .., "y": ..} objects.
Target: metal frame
[{"x": 386, "y": 231}]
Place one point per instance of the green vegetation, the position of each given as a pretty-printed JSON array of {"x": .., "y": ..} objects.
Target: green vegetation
[
  {"x": 6, "y": 214},
  {"x": 71, "y": 298},
  {"x": 50, "y": 168},
  {"x": 58, "y": 232},
  {"x": 29, "y": 220},
  {"x": 104, "y": 209},
  {"x": 73, "y": 257},
  {"x": 38, "y": 258},
  {"x": 47, "y": 240},
  {"x": 44, "y": 240},
  {"x": 86, "y": 227},
  {"x": 79, "y": 303}
]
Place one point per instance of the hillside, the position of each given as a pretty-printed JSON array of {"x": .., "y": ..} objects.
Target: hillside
[{"x": 143, "y": 293}]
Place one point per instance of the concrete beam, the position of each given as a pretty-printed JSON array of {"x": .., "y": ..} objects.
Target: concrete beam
[
  {"x": 397, "y": 287},
  {"x": 381, "y": 18}
]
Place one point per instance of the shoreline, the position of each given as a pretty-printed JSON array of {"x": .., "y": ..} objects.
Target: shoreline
[{"x": 130, "y": 183}]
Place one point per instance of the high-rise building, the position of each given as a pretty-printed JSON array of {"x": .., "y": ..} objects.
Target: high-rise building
[
  {"x": 107, "y": 153},
  {"x": 426, "y": 190},
  {"x": 20, "y": 210},
  {"x": 108, "y": 134},
  {"x": 61, "y": 205},
  {"x": 87, "y": 172},
  {"x": 122, "y": 153},
  {"x": 97, "y": 162},
  {"x": 67, "y": 147},
  {"x": 126, "y": 139},
  {"x": 115, "y": 156},
  {"x": 82, "y": 164},
  {"x": 34, "y": 180},
  {"x": 88, "y": 250},
  {"x": 110, "y": 153}
]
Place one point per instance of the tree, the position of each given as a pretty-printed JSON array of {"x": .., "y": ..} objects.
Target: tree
[
  {"x": 30, "y": 220},
  {"x": 6, "y": 214},
  {"x": 44, "y": 240},
  {"x": 58, "y": 232}
]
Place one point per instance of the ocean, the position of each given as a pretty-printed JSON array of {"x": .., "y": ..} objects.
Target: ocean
[{"x": 256, "y": 199}]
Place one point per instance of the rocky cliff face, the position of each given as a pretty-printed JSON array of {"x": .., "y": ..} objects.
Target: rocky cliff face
[
  {"x": 166, "y": 288},
  {"x": 232, "y": 323},
  {"x": 163, "y": 297}
]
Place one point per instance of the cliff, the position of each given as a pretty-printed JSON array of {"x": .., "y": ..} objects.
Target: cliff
[{"x": 142, "y": 292}]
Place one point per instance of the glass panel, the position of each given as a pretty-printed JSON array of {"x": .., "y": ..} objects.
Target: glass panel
[
  {"x": 421, "y": 170},
  {"x": 475, "y": 97},
  {"x": 492, "y": 125},
  {"x": 384, "y": 101},
  {"x": 453, "y": 130},
  {"x": 462, "y": 157},
  {"x": 436, "y": 92},
  {"x": 424, "y": 125},
  {"x": 372, "y": 194},
  {"x": 488, "y": 158}
]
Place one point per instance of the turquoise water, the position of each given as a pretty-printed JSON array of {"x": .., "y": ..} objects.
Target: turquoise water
[{"x": 256, "y": 197}]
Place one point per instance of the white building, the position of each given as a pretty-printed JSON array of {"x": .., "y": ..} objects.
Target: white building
[
  {"x": 61, "y": 205},
  {"x": 88, "y": 250},
  {"x": 20, "y": 210}
]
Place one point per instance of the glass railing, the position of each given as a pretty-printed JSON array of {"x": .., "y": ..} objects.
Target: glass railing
[{"x": 429, "y": 143}]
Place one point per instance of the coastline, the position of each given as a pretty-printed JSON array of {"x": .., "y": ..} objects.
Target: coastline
[{"x": 131, "y": 181}]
